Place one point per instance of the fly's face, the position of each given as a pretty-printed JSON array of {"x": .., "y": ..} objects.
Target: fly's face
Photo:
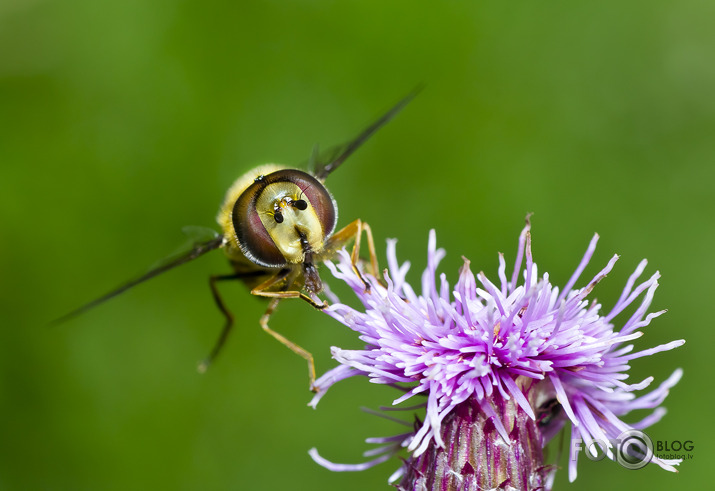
[
  {"x": 284, "y": 217},
  {"x": 292, "y": 224}
]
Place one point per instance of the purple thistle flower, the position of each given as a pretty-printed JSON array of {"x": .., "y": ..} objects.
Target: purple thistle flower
[{"x": 519, "y": 359}]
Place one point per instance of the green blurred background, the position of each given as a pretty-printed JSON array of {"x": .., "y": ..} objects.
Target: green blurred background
[{"x": 121, "y": 122}]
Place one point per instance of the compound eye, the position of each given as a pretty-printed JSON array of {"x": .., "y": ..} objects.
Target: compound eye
[
  {"x": 255, "y": 241},
  {"x": 315, "y": 194}
]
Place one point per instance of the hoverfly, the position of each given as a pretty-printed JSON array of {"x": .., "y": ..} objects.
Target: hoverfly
[{"x": 277, "y": 224}]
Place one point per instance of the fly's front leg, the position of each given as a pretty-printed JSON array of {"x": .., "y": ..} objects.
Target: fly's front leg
[
  {"x": 262, "y": 290},
  {"x": 265, "y": 289},
  {"x": 355, "y": 230}
]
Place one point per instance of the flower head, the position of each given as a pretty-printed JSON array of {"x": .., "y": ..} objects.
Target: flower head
[{"x": 520, "y": 340}]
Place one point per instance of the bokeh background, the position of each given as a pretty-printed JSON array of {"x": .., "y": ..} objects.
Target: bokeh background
[{"x": 123, "y": 121}]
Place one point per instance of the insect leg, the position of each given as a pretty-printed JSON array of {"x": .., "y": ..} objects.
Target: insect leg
[
  {"x": 354, "y": 230},
  {"x": 262, "y": 290},
  {"x": 298, "y": 350},
  {"x": 213, "y": 279}
]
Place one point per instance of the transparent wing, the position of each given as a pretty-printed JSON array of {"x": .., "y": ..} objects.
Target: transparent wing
[
  {"x": 199, "y": 234},
  {"x": 322, "y": 165},
  {"x": 203, "y": 240}
]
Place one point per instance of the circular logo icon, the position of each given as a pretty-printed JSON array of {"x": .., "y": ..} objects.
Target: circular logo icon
[{"x": 635, "y": 449}]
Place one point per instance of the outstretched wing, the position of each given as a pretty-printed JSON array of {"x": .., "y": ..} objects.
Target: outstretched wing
[
  {"x": 331, "y": 160},
  {"x": 198, "y": 247}
]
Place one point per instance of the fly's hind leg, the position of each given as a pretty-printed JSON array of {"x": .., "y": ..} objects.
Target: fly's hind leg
[
  {"x": 355, "y": 230},
  {"x": 263, "y": 290},
  {"x": 203, "y": 366}
]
